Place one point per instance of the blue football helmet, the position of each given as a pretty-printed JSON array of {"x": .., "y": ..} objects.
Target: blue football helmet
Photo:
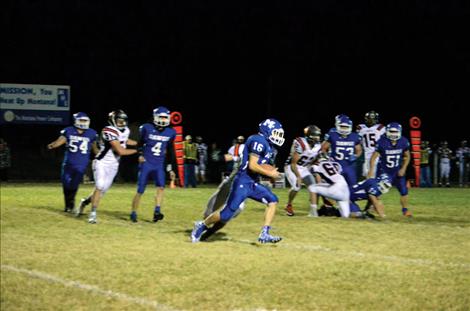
[
  {"x": 81, "y": 120},
  {"x": 273, "y": 131},
  {"x": 385, "y": 183},
  {"x": 343, "y": 124},
  {"x": 393, "y": 131},
  {"x": 118, "y": 119},
  {"x": 161, "y": 116}
]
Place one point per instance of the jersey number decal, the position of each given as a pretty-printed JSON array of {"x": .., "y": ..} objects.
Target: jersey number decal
[
  {"x": 370, "y": 140},
  {"x": 258, "y": 147},
  {"x": 343, "y": 153},
  {"x": 157, "y": 149},
  {"x": 304, "y": 160},
  {"x": 393, "y": 160},
  {"x": 75, "y": 145},
  {"x": 331, "y": 168}
]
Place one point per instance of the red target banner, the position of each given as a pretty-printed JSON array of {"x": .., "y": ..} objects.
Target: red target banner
[{"x": 415, "y": 135}]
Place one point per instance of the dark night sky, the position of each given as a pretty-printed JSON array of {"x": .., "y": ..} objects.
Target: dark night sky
[{"x": 226, "y": 65}]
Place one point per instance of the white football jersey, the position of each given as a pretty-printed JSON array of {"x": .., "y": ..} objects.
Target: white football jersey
[
  {"x": 307, "y": 153},
  {"x": 370, "y": 136},
  {"x": 108, "y": 134},
  {"x": 329, "y": 171},
  {"x": 236, "y": 151}
]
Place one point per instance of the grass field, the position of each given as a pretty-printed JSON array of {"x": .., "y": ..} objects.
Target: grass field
[{"x": 53, "y": 261}]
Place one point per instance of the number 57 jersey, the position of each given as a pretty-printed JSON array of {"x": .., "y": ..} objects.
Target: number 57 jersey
[{"x": 155, "y": 142}]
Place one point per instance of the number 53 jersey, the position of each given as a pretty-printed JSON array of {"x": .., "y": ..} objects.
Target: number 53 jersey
[
  {"x": 78, "y": 146},
  {"x": 155, "y": 142}
]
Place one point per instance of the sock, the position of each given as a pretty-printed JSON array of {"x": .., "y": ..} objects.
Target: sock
[
  {"x": 66, "y": 197},
  {"x": 404, "y": 209},
  {"x": 93, "y": 209},
  {"x": 133, "y": 213},
  {"x": 313, "y": 207},
  {"x": 71, "y": 198},
  {"x": 157, "y": 209}
]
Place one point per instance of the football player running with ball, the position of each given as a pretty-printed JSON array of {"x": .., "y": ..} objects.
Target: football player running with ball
[{"x": 259, "y": 149}]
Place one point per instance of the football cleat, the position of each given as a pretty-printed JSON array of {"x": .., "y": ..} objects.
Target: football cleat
[
  {"x": 92, "y": 218},
  {"x": 81, "y": 207},
  {"x": 313, "y": 212},
  {"x": 198, "y": 230},
  {"x": 265, "y": 237},
  {"x": 406, "y": 212},
  {"x": 367, "y": 214},
  {"x": 157, "y": 217},
  {"x": 133, "y": 217},
  {"x": 289, "y": 210}
]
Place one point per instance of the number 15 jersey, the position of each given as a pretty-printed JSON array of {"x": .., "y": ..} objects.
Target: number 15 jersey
[{"x": 155, "y": 142}]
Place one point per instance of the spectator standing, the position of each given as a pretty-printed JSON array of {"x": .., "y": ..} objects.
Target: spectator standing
[
  {"x": 201, "y": 167},
  {"x": 5, "y": 160},
  {"x": 445, "y": 155},
  {"x": 190, "y": 159},
  {"x": 463, "y": 162},
  {"x": 425, "y": 165}
]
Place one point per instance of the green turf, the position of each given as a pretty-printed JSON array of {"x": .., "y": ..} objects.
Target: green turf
[{"x": 53, "y": 261}]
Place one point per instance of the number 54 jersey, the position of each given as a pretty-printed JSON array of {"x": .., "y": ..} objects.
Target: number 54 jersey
[
  {"x": 78, "y": 146},
  {"x": 155, "y": 142}
]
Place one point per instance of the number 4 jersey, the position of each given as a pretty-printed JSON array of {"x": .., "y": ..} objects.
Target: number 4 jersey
[
  {"x": 155, "y": 142},
  {"x": 78, "y": 146}
]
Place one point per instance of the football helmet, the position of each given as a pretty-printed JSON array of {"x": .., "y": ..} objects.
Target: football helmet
[
  {"x": 81, "y": 120},
  {"x": 322, "y": 156},
  {"x": 384, "y": 183},
  {"x": 312, "y": 134},
  {"x": 272, "y": 130},
  {"x": 393, "y": 131},
  {"x": 240, "y": 139},
  {"x": 118, "y": 119},
  {"x": 198, "y": 139},
  {"x": 343, "y": 124},
  {"x": 161, "y": 116},
  {"x": 371, "y": 118}
]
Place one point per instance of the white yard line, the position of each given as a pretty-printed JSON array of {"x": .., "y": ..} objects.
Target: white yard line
[
  {"x": 91, "y": 288},
  {"x": 397, "y": 259}
]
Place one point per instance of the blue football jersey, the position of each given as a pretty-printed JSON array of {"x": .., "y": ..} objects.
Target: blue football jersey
[
  {"x": 155, "y": 143},
  {"x": 78, "y": 146},
  {"x": 361, "y": 190},
  {"x": 343, "y": 148},
  {"x": 255, "y": 144},
  {"x": 391, "y": 156}
]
